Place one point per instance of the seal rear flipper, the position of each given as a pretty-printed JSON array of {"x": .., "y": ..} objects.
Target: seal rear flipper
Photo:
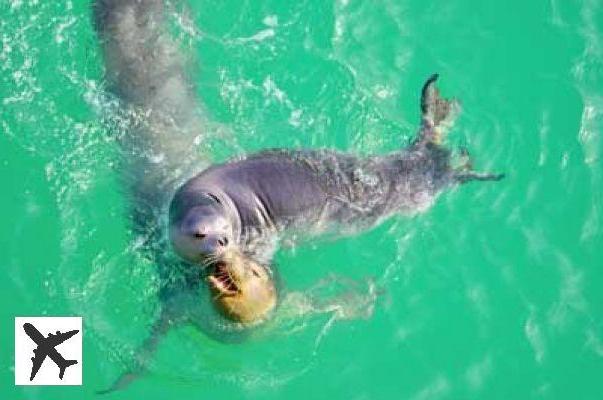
[
  {"x": 144, "y": 352},
  {"x": 464, "y": 172},
  {"x": 468, "y": 176},
  {"x": 437, "y": 114}
]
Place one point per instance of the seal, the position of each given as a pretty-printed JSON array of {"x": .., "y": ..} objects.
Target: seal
[
  {"x": 230, "y": 217},
  {"x": 242, "y": 289},
  {"x": 247, "y": 205}
]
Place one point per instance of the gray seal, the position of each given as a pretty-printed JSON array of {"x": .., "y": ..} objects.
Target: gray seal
[{"x": 249, "y": 203}]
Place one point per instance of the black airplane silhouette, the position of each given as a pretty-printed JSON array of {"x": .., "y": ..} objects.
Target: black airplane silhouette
[{"x": 46, "y": 347}]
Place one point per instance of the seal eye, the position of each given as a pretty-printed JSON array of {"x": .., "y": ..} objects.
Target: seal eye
[
  {"x": 215, "y": 198},
  {"x": 199, "y": 235},
  {"x": 255, "y": 273}
]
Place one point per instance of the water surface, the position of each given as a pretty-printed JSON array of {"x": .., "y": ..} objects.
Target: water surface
[{"x": 494, "y": 293}]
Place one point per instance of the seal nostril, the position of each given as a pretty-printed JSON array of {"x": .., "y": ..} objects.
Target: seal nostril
[{"x": 222, "y": 241}]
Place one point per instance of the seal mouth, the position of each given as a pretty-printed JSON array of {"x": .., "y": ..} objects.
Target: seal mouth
[{"x": 221, "y": 280}]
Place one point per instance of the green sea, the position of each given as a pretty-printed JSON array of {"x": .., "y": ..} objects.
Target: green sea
[{"x": 496, "y": 292}]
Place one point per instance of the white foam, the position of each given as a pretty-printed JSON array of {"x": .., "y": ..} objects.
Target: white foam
[
  {"x": 67, "y": 22},
  {"x": 533, "y": 334},
  {"x": 272, "y": 90},
  {"x": 591, "y": 126},
  {"x": 438, "y": 388},
  {"x": 270, "y": 21},
  {"x": 295, "y": 117},
  {"x": 259, "y": 36},
  {"x": 477, "y": 373},
  {"x": 571, "y": 298},
  {"x": 382, "y": 92},
  {"x": 593, "y": 342},
  {"x": 586, "y": 74}
]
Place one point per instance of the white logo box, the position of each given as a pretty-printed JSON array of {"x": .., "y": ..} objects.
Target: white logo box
[{"x": 70, "y": 349}]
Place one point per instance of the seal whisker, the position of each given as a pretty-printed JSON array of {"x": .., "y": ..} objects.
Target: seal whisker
[{"x": 210, "y": 259}]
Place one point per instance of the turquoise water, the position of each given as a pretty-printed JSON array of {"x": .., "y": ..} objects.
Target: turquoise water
[{"x": 494, "y": 293}]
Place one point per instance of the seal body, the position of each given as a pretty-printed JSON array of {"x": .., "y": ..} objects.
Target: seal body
[
  {"x": 250, "y": 203},
  {"x": 314, "y": 192}
]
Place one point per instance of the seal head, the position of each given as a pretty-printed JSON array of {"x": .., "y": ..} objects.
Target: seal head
[
  {"x": 202, "y": 231},
  {"x": 242, "y": 289}
]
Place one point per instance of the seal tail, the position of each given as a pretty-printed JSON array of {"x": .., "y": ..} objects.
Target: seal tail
[{"x": 437, "y": 114}]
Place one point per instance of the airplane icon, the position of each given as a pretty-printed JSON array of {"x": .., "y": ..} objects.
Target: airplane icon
[{"x": 46, "y": 347}]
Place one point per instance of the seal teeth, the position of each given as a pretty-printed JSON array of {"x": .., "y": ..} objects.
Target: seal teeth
[
  {"x": 219, "y": 285},
  {"x": 222, "y": 281},
  {"x": 229, "y": 283}
]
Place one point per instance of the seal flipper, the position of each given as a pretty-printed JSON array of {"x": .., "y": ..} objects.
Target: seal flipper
[
  {"x": 437, "y": 114},
  {"x": 464, "y": 172},
  {"x": 144, "y": 353},
  {"x": 468, "y": 176}
]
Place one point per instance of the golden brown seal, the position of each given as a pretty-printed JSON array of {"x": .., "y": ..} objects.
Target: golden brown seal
[{"x": 242, "y": 289}]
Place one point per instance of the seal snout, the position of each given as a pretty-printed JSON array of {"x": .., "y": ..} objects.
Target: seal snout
[{"x": 210, "y": 243}]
